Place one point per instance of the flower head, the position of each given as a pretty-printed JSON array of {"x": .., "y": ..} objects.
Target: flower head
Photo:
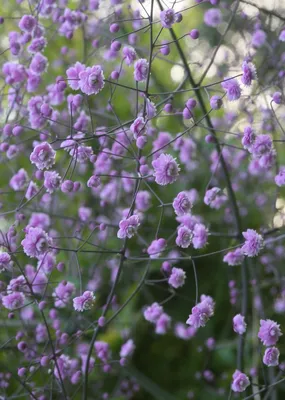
[
  {"x": 166, "y": 169},
  {"x": 253, "y": 243},
  {"x": 201, "y": 312},
  {"x": 239, "y": 324},
  {"x": 177, "y": 278},
  {"x": 43, "y": 156},
  {"x": 141, "y": 70},
  {"x": 269, "y": 332},
  {"x": 271, "y": 357},
  {"x": 36, "y": 242},
  {"x": 184, "y": 237},
  {"x": 84, "y": 302},
  {"x": 240, "y": 382},
  {"x": 249, "y": 73},
  {"x": 91, "y": 80},
  {"x": 232, "y": 88},
  {"x": 182, "y": 204}
]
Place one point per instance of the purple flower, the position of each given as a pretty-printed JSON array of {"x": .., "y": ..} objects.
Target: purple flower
[
  {"x": 216, "y": 102},
  {"x": 156, "y": 247},
  {"x": 184, "y": 237},
  {"x": 153, "y": 312},
  {"x": 138, "y": 127},
  {"x": 52, "y": 181},
  {"x": 84, "y": 302},
  {"x": 182, "y": 204},
  {"x": 166, "y": 169},
  {"x": 73, "y": 75},
  {"x": 43, "y": 156},
  {"x": 27, "y": 23},
  {"x": 240, "y": 382},
  {"x": 91, "y": 80},
  {"x": 280, "y": 177},
  {"x": 235, "y": 257},
  {"x": 19, "y": 181},
  {"x": 213, "y": 17},
  {"x": 36, "y": 242},
  {"x": 63, "y": 293},
  {"x": 258, "y": 38},
  {"x": 5, "y": 261},
  {"x": 200, "y": 236},
  {"x": 127, "y": 349},
  {"x": 143, "y": 200},
  {"x": 37, "y": 45},
  {"x": 269, "y": 332},
  {"x": 201, "y": 312},
  {"x": 177, "y": 278},
  {"x": 239, "y": 325},
  {"x": 271, "y": 357},
  {"x": 248, "y": 138},
  {"x": 162, "y": 324},
  {"x": 38, "y": 64},
  {"x": 214, "y": 198},
  {"x": 167, "y": 18},
  {"x": 232, "y": 88},
  {"x": 253, "y": 243},
  {"x": 249, "y": 73},
  {"x": 128, "y": 227},
  {"x": 141, "y": 70},
  {"x": 129, "y": 55},
  {"x": 13, "y": 301}
]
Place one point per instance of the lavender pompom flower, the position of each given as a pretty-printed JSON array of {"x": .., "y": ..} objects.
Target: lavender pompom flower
[
  {"x": 167, "y": 18},
  {"x": 52, "y": 181},
  {"x": 27, "y": 23},
  {"x": 13, "y": 300},
  {"x": 201, "y": 312},
  {"x": 129, "y": 55},
  {"x": 127, "y": 349},
  {"x": 153, "y": 312},
  {"x": 156, "y": 247},
  {"x": 271, "y": 357},
  {"x": 269, "y": 332},
  {"x": 184, "y": 237},
  {"x": 200, "y": 236},
  {"x": 253, "y": 243},
  {"x": 258, "y": 38},
  {"x": 43, "y": 156},
  {"x": 249, "y": 73},
  {"x": 213, "y": 17},
  {"x": 84, "y": 302},
  {"x": 216, "y": 102},
  {"x": 215, "y": 198},
  {"x": 239, "y": 325},
  {"x": 248, "y": 138},
  {"x": 138, "y": 127},
  {"x": 141, "y": 70},
  {"x": 177, "y": 278},
  {"x": 91, "y": 80},
  {"x": 36, "y": 242},
  {"x": 73, "y": 75},
  {"x": 162, "y": 324},
  {"x": 235, "y": 257},
  {"x": 63, "y": 294},
  {"x": 128, "y": 227},
  {"x": 232, "y": 88},
  {"x": 5, "y": 261},
  {"x": 240, "y": 382},
  {"x": 182, "y": 204},
  {"x": 166, "y": 169}
]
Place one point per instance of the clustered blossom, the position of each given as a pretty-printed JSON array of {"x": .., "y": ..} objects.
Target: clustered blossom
[
  {"x": 240, "y": 382},
  {"x": 84, "y": 302},
  {"x": 43, "y": 156},
  {"x": 128, "y": 227},
  {"x": 97, "y": 121},
  {"x": 36, "y": 242},
  {"x": 253, "y": 243},
  {"x": 202, "y": 312},
  {"x": 269, "y": 332},
  {"x": 177, "y": 278},
  {"x": 182, "y": 204},
  {"x": 90, "y": 80},
  {"x": 239, "y": 324},
  {"x": 232, "y": 88},
  {"x": 166, "y": 169}
]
